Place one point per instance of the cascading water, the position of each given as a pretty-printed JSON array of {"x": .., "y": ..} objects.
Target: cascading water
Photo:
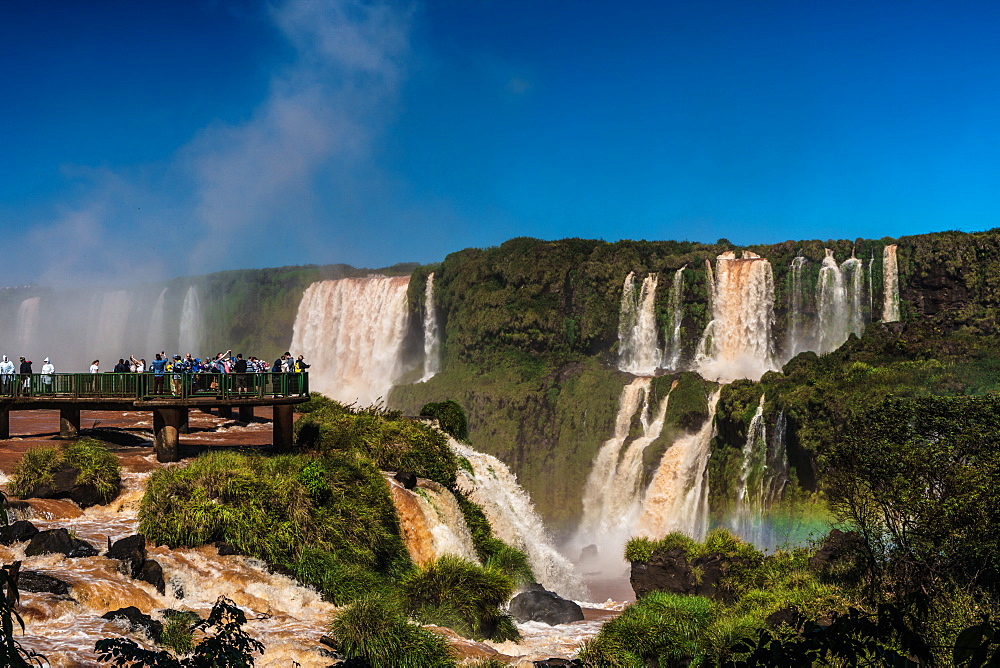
[
  {"x": 737, "y": 342},
  {"x": 432, "y": 340},
  {"x": 431, "y": 522},
  {"x": 191, "y": 325},
  {"x": 673, "y": 354},
  {"x": 351, "y": 331},
  {"x": 750, "y": 486},
  {"x": 112, "y": 321},
  {"x": 612, "y": 495},
  {"x": 638, "y": 351},
  {"x": 796, "y": 337},
  {"x": 890, "y": 285},
  {"x": 871, "y": 289},
  {"x": 831, "y": 304},
  {"x": 854, "y": 277},
  {"x": 27, "y": 321},
  {"x": 677, "y": 496},
  {"x": 514, "y": 520}
]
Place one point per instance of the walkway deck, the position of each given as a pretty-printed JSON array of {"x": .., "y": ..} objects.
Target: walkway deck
[{"x": 169, "y": 398}]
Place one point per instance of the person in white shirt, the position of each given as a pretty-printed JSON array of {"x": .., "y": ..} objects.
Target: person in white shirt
[
  {"x": 47, "y": 370},
  {"x": 7, "y": 371}
]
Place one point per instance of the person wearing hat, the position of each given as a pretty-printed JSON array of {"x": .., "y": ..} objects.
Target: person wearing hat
[
  {"x": 47, "y": 370},
  {"x": 177, "y": 378},
  {"x": 7, "y": 371}
]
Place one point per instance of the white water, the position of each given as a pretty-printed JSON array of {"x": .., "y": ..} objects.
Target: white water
[
  {"x": 831, "y": 304},
  {"x": 796, "y": 334},
  {"x": 431, "y": 522},
  {"x": 191, "y": 336},
  {"x": 672, "y": 356},
  {"x": 890, "y": 285},
  {"x": 737, "y": 342},
  {"x": 351, "y": 331},
  {"x": 514, "y": 520},
  {"x": 612, "y": 498},
  {"x": 156, "y": 336},
  {"x": 432, "y": 338},
  {"x": 677, "y": 496},
  {"x": 749, "y": 494},
  {"x": 112, "y": 321},
  {"x": 27, "y": 321},
  {"x": 638, "y": 348}
]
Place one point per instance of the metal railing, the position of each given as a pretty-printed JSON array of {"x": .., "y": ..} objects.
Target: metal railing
[{"x": 149, "y": 386}]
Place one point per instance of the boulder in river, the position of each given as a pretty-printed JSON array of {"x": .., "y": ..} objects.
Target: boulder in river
[
  {"x": 131, "y": 551},
  {"x": 17, "y": 532},
  {"x": 58, "y": 541},
  {"x": 40, "y": 583},
  {"x": 544, "y": 606},
  {"x": 63, "y": 485},
  {"x": 152, "y": 573},
  {"x": 136, "y": 621}
]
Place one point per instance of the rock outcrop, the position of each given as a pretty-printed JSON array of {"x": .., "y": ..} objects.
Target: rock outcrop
[
  {"x": 58, "y": 541},
  {"x": 673, "y": 571},
  {"x": 539, "y": 605}
]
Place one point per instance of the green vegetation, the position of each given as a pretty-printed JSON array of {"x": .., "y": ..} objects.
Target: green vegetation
[
  {"x": 85, "y": 463},
  {"x": 450, "y": 417},
  {"x": 492, "y": 551}
]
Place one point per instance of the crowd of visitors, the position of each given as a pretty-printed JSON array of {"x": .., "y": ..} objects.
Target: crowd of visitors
[{"x": 198, "y": 370}]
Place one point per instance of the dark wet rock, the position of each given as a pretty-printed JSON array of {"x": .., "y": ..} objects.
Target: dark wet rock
[
  {"x": 131, "y": 551},
  {"x": 672, "y": 571},
  {"x": 534, "y": 586},
  {"x": 225, "y": 549},
  {"x": 63, "y": 486},
  {"x": 17, "y": 532},
  {"x": 152, "y": 572},
  {"x": 556, "y": 663},
  {"x": 407, "y": 479},
  {"x": 544, "y": 606},
  {"x": 40, "y": 583},
  {"x": 116, "y": 436},
  {"x": 58, "y": 541},
  {"x": 136, "y": 621}
]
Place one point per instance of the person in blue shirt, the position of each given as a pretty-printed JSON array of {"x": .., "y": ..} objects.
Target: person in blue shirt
[{"x": 159, "y": 366}]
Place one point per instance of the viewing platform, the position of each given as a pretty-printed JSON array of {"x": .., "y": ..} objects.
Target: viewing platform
[{"x": 169, "y": 399}]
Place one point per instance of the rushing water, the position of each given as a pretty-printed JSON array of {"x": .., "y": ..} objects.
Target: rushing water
[
  {"x": 890, "y": 285},
  {"x": 672, "y": 356},
  {"x": 432, "y": 337},
  {"x": 192, "y": 326},
  {"x": 677, "y": 496},
  {"x": 352, "y": 331},
  {"x": 431, "y": 522},
  {"x": 638, "y": 349}
]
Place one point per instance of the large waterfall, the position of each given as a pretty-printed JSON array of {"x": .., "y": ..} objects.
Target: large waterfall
[
  {"x": 191, "y": 334},
  {"x": 737, "y": 342},
  {"x": 672, "y": 354},
  {"x": 677, "y": 496},
  {"x": 612, "y": 494},
  {"x": 27, "y": 323},
  {"x": 796, "y": 332},
  {"x": 431, "y": 522},
  {"x": 351, "y": 331},
  {"x": 514, "y": 520},
  {"x": 831, "y": 304},
  {"x": 638, "y": 351},
  {"x": 890, "y": 284},
  {"x": 432, "y": 339}
]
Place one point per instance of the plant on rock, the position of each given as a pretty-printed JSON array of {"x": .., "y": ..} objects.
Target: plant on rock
[{"x": 85, "y": 472}]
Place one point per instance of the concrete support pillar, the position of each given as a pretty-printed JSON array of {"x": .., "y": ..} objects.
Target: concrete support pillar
[
  {"x": 246, "y": 414},
  {"x": 226, "y": 412},
  {"x": 182, "y": 428},
  {"x": 166, "y": 423},
  {"x": 282, "y": 425},
  {"x": 4, "y": 423},
  {"x": 69, "y": 423}
]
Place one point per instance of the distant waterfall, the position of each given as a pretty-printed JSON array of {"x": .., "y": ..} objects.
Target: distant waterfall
[
  {"x": 831, "y": 303},
  {"x": 431, "y": 522},
  {"x": 796, "y": 337},
  {"x": 677, "y": 497},
  {"x": 673, "y": 353},
  {"x": 890, "y": 285},
  {"x": 854, "y": 278},
  {"x": 192, "y": 324},
  {"x": 112, "y": 321},
  {"x": 432, "y": 341},
  {"x": 737, "y": 342},
  {"x": 351, "y": 331},
  {"x": 514, "y": 520},
  {"x": 27, "y": 323},
  {"x": 638, "y": 351},
  {"x": 155, "y": 337},
  {"x": 612, "y": 494},
  {"x": 871, "y": 289}
]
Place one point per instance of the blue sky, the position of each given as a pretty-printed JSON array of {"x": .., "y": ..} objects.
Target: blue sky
[{"x": 157, "y": 139}]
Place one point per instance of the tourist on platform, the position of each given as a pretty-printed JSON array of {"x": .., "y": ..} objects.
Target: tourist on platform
[
  {"x": 121, "y": 367},
  {"x": 288, "y": 365},
  {"x": 95, "y": 368},
  {"x": 26, "y": 375},
  {"x": 158, "y": 366},
  {"x": 7, "y": 371},
  {"x": 278, "y": 363},
  {"x": 300, "y": 365},
  {"x": 47, "y": 370},
  {"x": 178, "y": 369},
  {"x": 240, "y": 369}
]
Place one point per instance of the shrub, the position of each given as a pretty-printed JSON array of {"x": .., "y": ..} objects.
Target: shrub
[
  {"x": 375, "y": 630},
  {"x": 463, "y": 596},
  {"x": 320, "y": 402},
  {"x": 450, "y": 417},
  {"x": 88, "y": 462}
]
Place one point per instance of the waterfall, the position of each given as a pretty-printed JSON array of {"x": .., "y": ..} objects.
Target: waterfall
[
  {"x": 677, "y": 497},
  {"x": 638, "y": 351},
  {"x": 191, "y": 325},
  {"x": 750, "y": 486},
  {"x": 612, "y": 494},
  {"x": 831, "y": 304},
  {"x": 737, "y": 342},
  {"x": 514, "y": 520},
  {"x": 351, "y": 331},
  {"x": 890, "y": 285},
  {"x": 796, "y": 338},
  {"x": 854, "y": 278},
  {"x": 432, "y": 341},
  {"x": 111, "y": 325},
  {"x": 673, "y": 356},
  {"x": 157, "y": 326},
  {"x": 431, "y": 522},
  {"x": 27, "y": 323},
  {"x": 871, "y": 289}
]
